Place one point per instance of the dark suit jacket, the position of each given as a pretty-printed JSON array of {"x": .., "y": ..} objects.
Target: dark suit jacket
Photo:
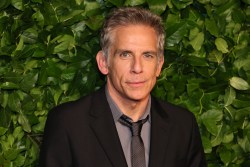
[{"x": 83, "y": 134}]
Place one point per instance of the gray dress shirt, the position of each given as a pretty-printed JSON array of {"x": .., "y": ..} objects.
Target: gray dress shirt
[{"x": 125, "y": 133}]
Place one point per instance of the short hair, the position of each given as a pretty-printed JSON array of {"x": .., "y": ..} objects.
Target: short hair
[{"x": 131, "y": 16}]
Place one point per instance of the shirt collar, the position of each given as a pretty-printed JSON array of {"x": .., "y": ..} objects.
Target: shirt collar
[{"x": 116, "y": 112}]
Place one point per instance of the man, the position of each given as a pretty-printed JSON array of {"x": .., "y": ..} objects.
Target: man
[{"x": 98, "y": 130}]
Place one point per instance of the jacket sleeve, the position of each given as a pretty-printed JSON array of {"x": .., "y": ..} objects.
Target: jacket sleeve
[
  {"x": 55, "y": 148},
  {"x": 196, "y": 156}
]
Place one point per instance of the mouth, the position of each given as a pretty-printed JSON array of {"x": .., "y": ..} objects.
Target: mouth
[{"x": 136, "y": 84}]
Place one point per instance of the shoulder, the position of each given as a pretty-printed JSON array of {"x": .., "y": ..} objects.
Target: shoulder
[
  {"x": 77, "y": 108},
  {"x": 171, "y": 111},
  {"x": 178, "y": 119}
]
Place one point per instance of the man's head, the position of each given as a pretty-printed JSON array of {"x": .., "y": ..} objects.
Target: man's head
[
  {"x": 132, "y": 53},
  {"x": 131, "y": 16}
]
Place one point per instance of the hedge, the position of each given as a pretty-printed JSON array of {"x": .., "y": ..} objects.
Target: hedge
[{"x": 47, "y": 57}]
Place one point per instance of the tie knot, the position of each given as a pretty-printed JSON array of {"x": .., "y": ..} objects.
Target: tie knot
[{"x": 135, "y": 127}]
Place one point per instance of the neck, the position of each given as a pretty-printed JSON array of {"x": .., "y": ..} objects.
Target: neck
[
  {"x": 129, "y": 107},
  {"x": 133, "y": 109}
]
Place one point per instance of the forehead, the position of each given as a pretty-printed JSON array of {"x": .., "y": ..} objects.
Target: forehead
[
  {"x": 131, "y": 28},
  {"x": 136, "y": 34}
]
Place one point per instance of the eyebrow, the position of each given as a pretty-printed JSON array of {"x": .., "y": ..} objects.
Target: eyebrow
[
  {"x": 150, "y": 52},
  {"x": 118, "y": 51}
]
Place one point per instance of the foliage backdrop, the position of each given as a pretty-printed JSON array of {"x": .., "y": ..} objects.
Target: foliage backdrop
[{"x": 47, "y": 57}]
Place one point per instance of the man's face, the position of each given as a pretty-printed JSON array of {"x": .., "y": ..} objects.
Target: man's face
[{"x": 133, "y": 63}]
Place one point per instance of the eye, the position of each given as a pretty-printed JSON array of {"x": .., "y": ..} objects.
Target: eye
[
  {"x": 149, "y": 55},
  {"x": 125, "y": 55}
]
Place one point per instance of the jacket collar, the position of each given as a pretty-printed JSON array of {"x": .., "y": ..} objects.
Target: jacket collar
[
  {"x": 105, "y": 130},
  {"x": 160, "y": 128}
]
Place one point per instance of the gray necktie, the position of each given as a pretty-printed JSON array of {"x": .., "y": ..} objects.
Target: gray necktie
[{"x": 137, "y": 146}]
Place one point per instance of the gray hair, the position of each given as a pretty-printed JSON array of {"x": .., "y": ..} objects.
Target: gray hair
[{"x": 131, "y": 16}]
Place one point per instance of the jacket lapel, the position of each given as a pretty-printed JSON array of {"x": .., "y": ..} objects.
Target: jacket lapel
[
  {"x": 160, "y": 128},
  {"x": 104, "y": 127}
]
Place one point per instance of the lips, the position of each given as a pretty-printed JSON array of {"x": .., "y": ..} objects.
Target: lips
[{"x": 136, "y": 83}]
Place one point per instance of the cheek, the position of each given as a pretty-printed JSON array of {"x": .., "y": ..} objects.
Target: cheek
[
  {"x": 115, "y": 75},
  {"x": 120, "y": 69},
  {"x": 154, "y": 71}
]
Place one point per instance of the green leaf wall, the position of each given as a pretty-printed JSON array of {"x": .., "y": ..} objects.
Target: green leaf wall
[{"x": 47, "y": 57}]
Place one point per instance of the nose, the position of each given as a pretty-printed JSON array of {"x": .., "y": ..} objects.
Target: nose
[{"x": 137, "y": 65}]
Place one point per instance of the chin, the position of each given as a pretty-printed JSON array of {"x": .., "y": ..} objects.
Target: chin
[{"x": 138, "y": 97}]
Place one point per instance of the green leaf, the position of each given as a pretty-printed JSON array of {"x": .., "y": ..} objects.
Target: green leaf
[
  {"x": 158, "y": 6},
  {"x": 221, "y": 45},
  {"x": 225, "y": 156},
  {"x": 91, "y": 8},
  {"x": 242, "y": 113},
  {"x": 66, "y": 42},
  {"x": 217, "y": 139},
  {"x": 24, "y": 122},
  {"x": 4, "y": 4},
  {"x": 95, "y": 22},
  {"x": 133, "y": 2},
  {"x": 9, "y": 85},
  {"x": 210, "y": 119},
  {"x": 18, "y": 4},
  {"x": 3, "y": 19},
  {"x": 244, "y": 143},
  {"x": 38, "y": 17},
  {"x": 239, "y": 83},
  {"x": 5, "y": 118},
  {"x": 14, "y": 102},
  {"x": 197, "y": 42},
  {"x": 175, "y": 32},
  {"x": 238, "y": 16},
  {"x": 212, "y": 27},
  {"x": 246, "y": 1},
  {"x": 29, "y": 81},
  {"x": 20, "y": 45},
  {"x": 240, "y": 103},
  {"x": 30, "y": 35},
  {"x": 18, "y": 133},
  {"x": 49, "y": 13},
  {"x": 39, "y": 52},
  {"x": 117, "y": 3},
  {"x": 11, "y": 154},
  {"x": 204, "y": 1},
  {"x": 19, "y": 161},
  {"x": 242, "y": 63},
  {"x": 193, "y": 33},
  {"x": 70, "y": 15},
  {"x": 206, "y": 144},
  {"x": 228, "y": 138},
  {"x": 192, "y": 87},
  {"x": 215, "y": 56},
  {"x": 30, "y": 64},
  {"x": 14, "y": 77},
  {"x": 182, "y": 4},
  {"x": 229, "y": 97},
  {"x": 38, "y": 128},
  {"x": 218, "y": 2},
  {"x": 197, "y": 61},
  {"x": 79, "y": 2},
  {"x": 227, "y": 8},
  {"x": 43, "y": 75},
  {"x": 3, "y": 131},
  {"x": 68, "y": 74},
  {"x": 57, "y": 95},
  {"x": 10, "y": 140}
]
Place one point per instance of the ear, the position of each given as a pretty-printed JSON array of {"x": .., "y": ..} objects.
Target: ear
[
  {"x": 160, "y": 64},
  {"x": 102, "y": 62}
]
